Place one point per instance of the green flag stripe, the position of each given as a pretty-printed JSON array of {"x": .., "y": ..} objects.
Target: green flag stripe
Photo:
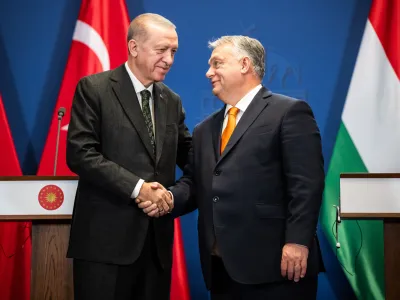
[{"x": 361, "y": 252}]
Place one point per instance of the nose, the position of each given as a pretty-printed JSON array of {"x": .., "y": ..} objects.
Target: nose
[
  {"x": 210, "y": 73},
  {"x": 169, "y": 58}
]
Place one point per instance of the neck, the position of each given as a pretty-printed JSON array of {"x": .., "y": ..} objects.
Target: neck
[
  {"x": 134, "y": 69},
  {"x": 239, "y": 94}
]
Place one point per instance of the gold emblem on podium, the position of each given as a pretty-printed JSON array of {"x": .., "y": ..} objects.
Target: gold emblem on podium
[{"x": 51, "y": 197}]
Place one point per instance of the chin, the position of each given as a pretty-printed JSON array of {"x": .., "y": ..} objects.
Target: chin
[
  {"x": 159, "y": 77},
  {"x": 215, "y": 91}
]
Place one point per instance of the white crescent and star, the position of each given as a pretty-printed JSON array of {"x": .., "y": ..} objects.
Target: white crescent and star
[{"x": 87, "y": 35}]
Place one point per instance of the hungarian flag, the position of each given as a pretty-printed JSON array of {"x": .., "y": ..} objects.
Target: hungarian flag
[
  {"x": 368, "y": 141},
  {"x": 15, "y": 242},
  {"x": 99, "y": 44}
]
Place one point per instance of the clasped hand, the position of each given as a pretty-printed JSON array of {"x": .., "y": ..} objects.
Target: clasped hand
[{"x": 154, "y": 199}]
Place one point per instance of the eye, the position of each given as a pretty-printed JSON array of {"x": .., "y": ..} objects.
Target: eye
[{"x": 216, "y": 64}]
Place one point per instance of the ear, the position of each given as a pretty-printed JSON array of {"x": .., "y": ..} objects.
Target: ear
[
  {"x": 246, "y": 65},
  {"x": 132, "y": 48}
]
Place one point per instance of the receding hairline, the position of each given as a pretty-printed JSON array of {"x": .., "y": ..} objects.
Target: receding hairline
[
  {"x": 217, "y": 55},
  {"x": 139, "y": 26},
  {"x": 216, "y": 47}
]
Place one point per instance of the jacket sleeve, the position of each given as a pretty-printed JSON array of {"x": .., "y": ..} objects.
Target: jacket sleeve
[
  {"x": 184, "y": 139},
  {"x": 304, "y": 172},
  {"x": 184, "y": 190}
]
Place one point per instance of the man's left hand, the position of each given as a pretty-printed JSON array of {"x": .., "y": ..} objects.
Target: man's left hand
[{"x": 294, "y": 261}]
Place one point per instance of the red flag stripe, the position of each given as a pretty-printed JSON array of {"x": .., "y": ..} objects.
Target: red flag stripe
[
  {"x": 9, "y": 164},
  {"x": 15, "y": 244},
  {"x": 179, "y": 280},
  {"x": 385, "y": 19}
]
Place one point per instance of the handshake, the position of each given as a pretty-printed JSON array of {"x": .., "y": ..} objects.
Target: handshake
[{"x": 154, "y": 199}]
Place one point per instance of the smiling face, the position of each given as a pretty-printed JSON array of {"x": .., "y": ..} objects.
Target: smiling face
[
  {"x": 154, "y": 53},
  {"x": 225, "y": 72}
]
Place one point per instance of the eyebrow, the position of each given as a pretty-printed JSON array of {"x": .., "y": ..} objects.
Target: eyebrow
[
  {"x": 214, "y": 58},
  {"x": 163, "y": 45}
]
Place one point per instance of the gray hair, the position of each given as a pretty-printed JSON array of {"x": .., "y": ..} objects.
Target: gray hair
[
  {"x": 247, "y": 46},
  {"x": 138, "y": 27}
]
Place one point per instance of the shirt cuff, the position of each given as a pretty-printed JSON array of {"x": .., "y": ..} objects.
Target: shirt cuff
[
  {"x": 304, "y": 246},
  {"x": 136, "y": 191},
  {"x": 172, "y": 195}
]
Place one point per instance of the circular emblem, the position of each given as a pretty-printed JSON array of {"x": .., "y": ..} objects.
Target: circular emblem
[{"x": 51, "y": 197}]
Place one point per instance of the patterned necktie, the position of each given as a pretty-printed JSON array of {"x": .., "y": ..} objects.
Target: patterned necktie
[
  {"x": 147, "y": 117},
  {"x": 230, "y": 126}
]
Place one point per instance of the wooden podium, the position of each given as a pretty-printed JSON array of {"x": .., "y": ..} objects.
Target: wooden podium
[
  {"x": 376, "y": 196},
  {"x": 48, "y": 203}
]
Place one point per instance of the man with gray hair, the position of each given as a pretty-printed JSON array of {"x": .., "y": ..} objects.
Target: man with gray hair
[
  {"x": 256, "y": 175},
  {"x": 127, "y": 130}
]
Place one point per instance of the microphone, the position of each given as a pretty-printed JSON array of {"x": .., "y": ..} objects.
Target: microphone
[
  {"x": 60, "y": 113},
  {"x": 338, "y": 220}
]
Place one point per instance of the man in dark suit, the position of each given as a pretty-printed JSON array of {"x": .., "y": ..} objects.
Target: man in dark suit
[
  {"x": 127, "y": 129},
  {"x": 256, "y": 175}
]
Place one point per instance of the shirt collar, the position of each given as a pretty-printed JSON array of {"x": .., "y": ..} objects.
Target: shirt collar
[
  {"x": 136, "y": 83},
  {"x": 245, "y": 101}
]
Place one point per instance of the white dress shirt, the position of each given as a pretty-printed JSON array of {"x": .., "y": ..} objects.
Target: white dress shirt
[
  {"x": 242, "y": 105},
  {"x": 138, "y": 88}
]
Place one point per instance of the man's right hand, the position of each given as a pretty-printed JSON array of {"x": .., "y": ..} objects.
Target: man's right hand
[{"x": 154, "y": 199}]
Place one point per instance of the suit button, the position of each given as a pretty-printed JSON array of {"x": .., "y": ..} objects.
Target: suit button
[
  {"x": 156, "y": 173},
  {"x": 215, "y": 199},
  {"x": 217, "y": 172}
]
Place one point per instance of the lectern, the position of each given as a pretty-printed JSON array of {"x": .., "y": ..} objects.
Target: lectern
[
  {"x": 48, "y": 203},
  {"x": 376, "y": 196}
]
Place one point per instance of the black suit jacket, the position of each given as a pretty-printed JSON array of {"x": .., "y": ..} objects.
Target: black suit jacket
[
  {"x": 265, "y": 189},
  {"x": 109, "y": 148}
]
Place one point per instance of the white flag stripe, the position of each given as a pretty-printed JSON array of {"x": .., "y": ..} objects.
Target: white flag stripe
[{"x": 372, "y": 110}]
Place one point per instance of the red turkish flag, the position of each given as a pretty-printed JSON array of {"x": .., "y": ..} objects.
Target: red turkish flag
[
  {"x": 98, "y": 44},
  {"x": 15, "y": 242}
]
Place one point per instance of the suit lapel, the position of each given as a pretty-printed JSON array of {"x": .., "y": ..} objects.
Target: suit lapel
[
  {"x": 216, "y": 131},
  {"x": 160, "y": 112},
  {"x": 256, "y": 106},
  {"x": 126, "y": 95}
]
